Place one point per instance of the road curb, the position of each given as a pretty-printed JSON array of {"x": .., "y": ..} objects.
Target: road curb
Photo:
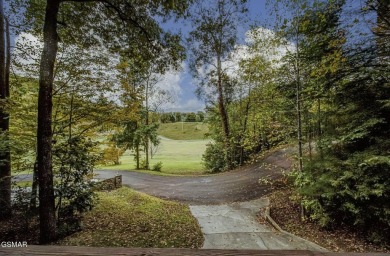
[{"x": 273, "y": 223}]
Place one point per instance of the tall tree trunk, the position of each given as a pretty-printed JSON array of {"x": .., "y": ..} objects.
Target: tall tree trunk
[
  {"x": 5, "y": 156},
  {"x": 246, "y": 116},
  {"x": 8, "y": 58},
  {"x": 47, "y": 213},
  {"x": 319, "y": 129},
  {"x": 137, "y": 156},
  {"x": 223, "y": 113},
  {"x": 299, "y": 108},
  {"x": 34, "y": 189},
  {"x": 147, "y": 124},
  {"x": 147, "y": 154}
]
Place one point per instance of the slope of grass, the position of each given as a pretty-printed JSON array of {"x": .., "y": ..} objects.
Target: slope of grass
[
  {"x": 126, "y": 218},
  {"x": 181, "y": 157},
  {"x": 183, "y": 131}
]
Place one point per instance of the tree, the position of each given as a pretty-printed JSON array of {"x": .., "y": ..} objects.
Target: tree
[
  {"x": 77, "y": 110},
  {"x": 200, "y": 116},
  {"x": 154, "y": 97},
  {"x": 294, "y": 33},
  {"x": 191, "y": 117},
  {"x": 345, "y": 96},
  {"x": 263, "y": 111},
  {"x": 213, "y": 38},
  {"x": 128, "y": 20},
  {"x": 130, "y": 138},
  {"x": 5, "y": 155}
]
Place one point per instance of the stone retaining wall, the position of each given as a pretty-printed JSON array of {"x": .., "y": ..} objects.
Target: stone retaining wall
[{"x": 109, "y": 184}]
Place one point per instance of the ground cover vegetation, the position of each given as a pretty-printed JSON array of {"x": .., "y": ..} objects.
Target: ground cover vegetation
[
  {"x": 285, "y": 210},
  {"x": 127, "y": 218},
  {"x": 319, "y": 78}
]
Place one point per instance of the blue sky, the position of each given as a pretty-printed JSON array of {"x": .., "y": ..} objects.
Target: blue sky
[
  {"x": 183, "y": 84},
  {"x": 259, "y": 14},
  {"x": 187, "y": 100}
]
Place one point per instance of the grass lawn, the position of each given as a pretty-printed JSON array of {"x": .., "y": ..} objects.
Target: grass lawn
[
  {"x": 127, "y": 218},
  {"x": 183, "y": 131},
  {"x": 23, "y": 184},
  {"x": 179, "y": 157}
]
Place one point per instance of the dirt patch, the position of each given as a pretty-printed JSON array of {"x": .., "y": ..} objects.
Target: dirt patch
[{"x": 286, "y": 213}]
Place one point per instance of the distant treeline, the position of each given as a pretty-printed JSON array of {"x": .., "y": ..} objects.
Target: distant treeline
[{"x": 171, "y": 117}]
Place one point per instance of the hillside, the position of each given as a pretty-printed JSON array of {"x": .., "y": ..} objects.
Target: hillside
[{"x": 183, "y": 130}]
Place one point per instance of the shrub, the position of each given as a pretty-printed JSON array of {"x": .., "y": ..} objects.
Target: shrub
[
  {"x": 142, "y": 164},
  {"x": 111, "y": 155},
  {"x": 214, "y": 158},
  {"x": 74, "y": 162},
  {"x": 157, "y": 167},
  {"x": 354, "y": 192}
]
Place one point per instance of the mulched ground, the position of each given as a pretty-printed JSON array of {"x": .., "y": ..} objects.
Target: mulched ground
[
  {"x": 20, "y": 228},
  {"x": 285, "y": 212}
]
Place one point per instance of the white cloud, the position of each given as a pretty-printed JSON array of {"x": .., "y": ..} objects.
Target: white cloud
[
  {"x": 265, "y": 43},
  {"x": 166, "y": 91},
  {"x": 27, "y": 52},
  {"x": 173, "y": 82},
  {"x": 27, "y": 40},
  {"x": 260, "y": 42}
]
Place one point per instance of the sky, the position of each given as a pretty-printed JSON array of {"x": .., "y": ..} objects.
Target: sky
[
  {"x": 259, "y": 14},
  {"x": 183, "y": 83}
]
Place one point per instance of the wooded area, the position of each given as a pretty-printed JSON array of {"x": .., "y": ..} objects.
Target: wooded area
[{"x": 318, "y": 77}]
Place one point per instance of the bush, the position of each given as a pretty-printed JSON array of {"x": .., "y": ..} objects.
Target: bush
[
  {"x": 73, "y": 163},
  {"x": 157, "y": 167},
  {"x": 354, "y": 192},
  {"x": 111, "y": 155},
  {"x": 214, "y": 158},
  {"x": 142, "y": 164}
]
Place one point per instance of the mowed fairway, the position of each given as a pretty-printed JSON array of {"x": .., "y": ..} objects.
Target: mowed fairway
[
  {"x": 178, "y": 157},
  {"x": 181, "y": 156},
  {"x": 184, "y": 130}
]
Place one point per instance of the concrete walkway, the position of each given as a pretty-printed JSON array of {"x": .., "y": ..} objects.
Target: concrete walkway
[{"x": 235, "y": 226}]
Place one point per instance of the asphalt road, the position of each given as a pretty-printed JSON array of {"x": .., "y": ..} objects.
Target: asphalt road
[{"x": 234, "y": 186}]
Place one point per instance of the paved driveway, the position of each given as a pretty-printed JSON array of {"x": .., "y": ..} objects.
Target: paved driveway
[{"x": 238, "y": 185}]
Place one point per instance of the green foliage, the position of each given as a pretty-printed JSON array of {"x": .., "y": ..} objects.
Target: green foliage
[
  {"x": 214, "y": 158},
  {"x": 345, "y": 179},
  {"x": 135, "y": 136},
  {"x": 73, "y": 166},
  {"x": 355, "y": 192},
  {"x": 111, "y": 155},
  {"x": 157, "y": 167},
  {"x": 172, "y": 117},
  {"x": 191, "y": 117},
  {"x": 24, "y": 93}
]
